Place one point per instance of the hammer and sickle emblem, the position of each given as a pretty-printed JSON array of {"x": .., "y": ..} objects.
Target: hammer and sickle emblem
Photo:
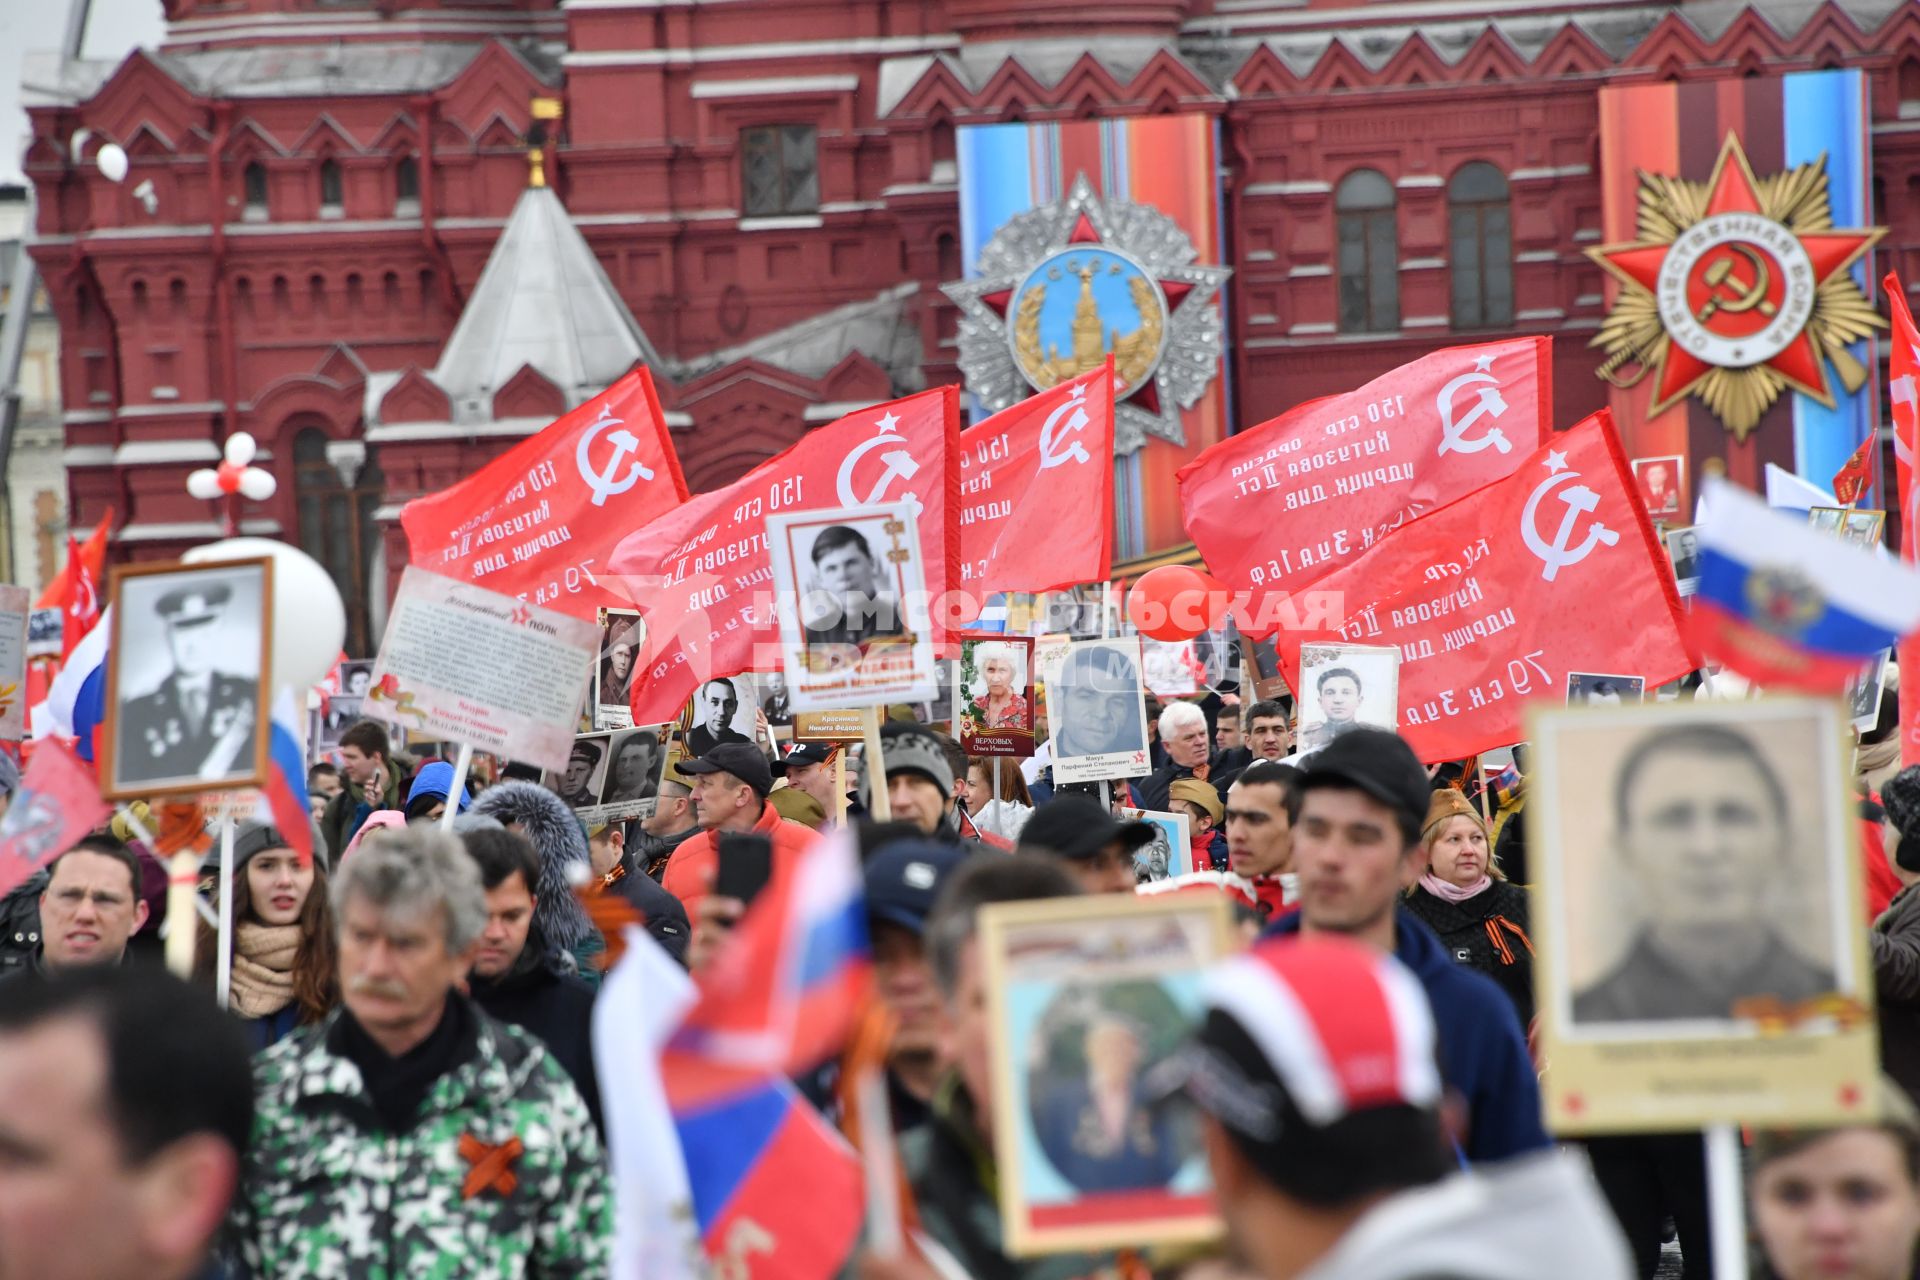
[
  {"x": 603, "y": 482},
  {"x": 1747, "y": 296},
  {"x": 1075, "y": 452},
  {"x": 1580, "y": 500},
  {"x": 897, "y": 464},
  {"x": 1490, "y": 403},
  {"x": 745, "y": 1239}
]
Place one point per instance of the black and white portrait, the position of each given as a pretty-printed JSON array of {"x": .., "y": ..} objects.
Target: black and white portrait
[
  {"x": 620, "y": 636},
  {"x": 634, "y": 761},
  {"x": 722, "y": 710},
  {"x": 1592, "y": 689},
  {"x": 776, "y": 703},
  {"x": 1096, "y": 710},
  {"x": 1701, "y": 859},
  {"x": 846, "y": 598},
  {"x": 1683, "y": 549},
  {"x": 187, "y": 706},
  {"x": 1864, "y": 694},
  {"x": 1344, "y": 686},
  {"x": 581, "y": 782},
  {"x": 1862, "y": 528}
]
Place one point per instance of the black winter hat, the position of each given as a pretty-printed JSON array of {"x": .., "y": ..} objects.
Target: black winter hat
[{"x": 1900, "y": 797}]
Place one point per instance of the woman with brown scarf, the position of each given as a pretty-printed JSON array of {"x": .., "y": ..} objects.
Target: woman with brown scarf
[{"x": 283, "y": 946}]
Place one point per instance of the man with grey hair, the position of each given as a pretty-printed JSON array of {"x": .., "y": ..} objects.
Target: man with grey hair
[
  {"x": 1183, "y": 732},
  {"x": 409, "y": 1133}
]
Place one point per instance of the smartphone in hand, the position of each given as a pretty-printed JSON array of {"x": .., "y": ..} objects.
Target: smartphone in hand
[{"x": 746, "y": 864}]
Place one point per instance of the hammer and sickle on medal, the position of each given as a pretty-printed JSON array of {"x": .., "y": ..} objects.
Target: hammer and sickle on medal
[
  {"x": 602, "y": 482},
  {"x": 1748, "y": 297},
  {"x": 898, "y": 462},
  {"x": 1580, "y": 500},
  {"x": 1490, "y": 403},
  {"x": 1075, "y": 452}
]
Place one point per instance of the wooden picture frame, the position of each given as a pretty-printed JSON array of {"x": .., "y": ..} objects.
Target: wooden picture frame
[{"x": 147, "y": 722}]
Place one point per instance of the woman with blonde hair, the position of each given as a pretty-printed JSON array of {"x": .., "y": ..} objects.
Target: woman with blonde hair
[{"x": 1466, "y": 899}]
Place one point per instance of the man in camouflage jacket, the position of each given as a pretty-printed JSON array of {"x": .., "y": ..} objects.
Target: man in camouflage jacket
[{"x": 460, "y": 1151}]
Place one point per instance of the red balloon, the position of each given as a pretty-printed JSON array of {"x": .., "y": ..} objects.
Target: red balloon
[
  {"x": 229, "y": 475},
  {"x": 1176, "y": 602}
]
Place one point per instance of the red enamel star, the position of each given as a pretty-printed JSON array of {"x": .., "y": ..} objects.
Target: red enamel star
[{"x": 1738, "y": 288}]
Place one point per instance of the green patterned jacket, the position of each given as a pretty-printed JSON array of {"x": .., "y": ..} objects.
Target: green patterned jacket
[{"x": 328, "y": 1194}]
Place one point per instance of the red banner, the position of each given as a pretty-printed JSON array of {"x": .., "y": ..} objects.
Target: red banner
[
  {"x": 701, "y": 573},
  {"x": 1850, "y": 481},
  {"x": 539, "y": 521},
  {"x": 80, "y": 610},
  {"x": 1903, "y": 401},
  {"x": 1036, "y": 492},
  {"x": 58, "y": 802},
  {"x": 1292, "y": 500},
  {"x": 1494, "y": 600}
]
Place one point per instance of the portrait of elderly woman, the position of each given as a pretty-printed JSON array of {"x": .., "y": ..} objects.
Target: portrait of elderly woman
[{"x": 997, "y": 687}]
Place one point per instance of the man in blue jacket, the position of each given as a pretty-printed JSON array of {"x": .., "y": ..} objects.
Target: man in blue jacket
[{"x": 1356, "y": 847}]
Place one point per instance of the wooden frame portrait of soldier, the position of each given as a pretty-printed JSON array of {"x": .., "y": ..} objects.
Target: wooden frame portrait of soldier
[
  {"x": 187, "y": 702},
  {"x": 1088, "y": 998},
  {"x": 1662, "y": 483},
  {"x": 1683, "y": 552},
  {"x": 1863, "y": 528},
  {"x": 579, "y": 784},
  {"x": 1345, "y": 686},
  {"x": 1097, "y": 712},
  {"x": 635, "y": 759},
  {"x": 621, "y": 631},
  {"x": 1699, "y": 884}
]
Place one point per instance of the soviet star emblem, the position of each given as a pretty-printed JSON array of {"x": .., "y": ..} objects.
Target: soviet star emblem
[
  {"x": 1062, "y": 287},
  {"x": 1738, "y": 289}
]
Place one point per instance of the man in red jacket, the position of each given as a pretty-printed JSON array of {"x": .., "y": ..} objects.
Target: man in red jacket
[{"x": 730, "y": 786}]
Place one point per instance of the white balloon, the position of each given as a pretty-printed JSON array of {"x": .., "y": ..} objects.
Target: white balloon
[
  {"x": 112, "y": 160},
  {"x": 256, "y": 484},
  {"x": 204, "y": 483},
  {"x": 309, "y": 622},
  {"x": 240, "y": 448}
]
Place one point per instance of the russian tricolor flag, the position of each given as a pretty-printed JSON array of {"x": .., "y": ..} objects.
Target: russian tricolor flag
[
  {"x": 286, "y": 782},
  {"x": 1788, "y": 607},
  {"x": 77, "y": 699}
]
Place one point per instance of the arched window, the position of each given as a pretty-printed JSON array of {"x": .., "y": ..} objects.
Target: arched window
[
  {"x": 254, "y": 182},
  {"x": 330, "y": 205},
  {"x": 1482, "y": 245},
  {"x": 338, "y": 529},
  {"x": 406, "y": 188},
  {"x": 1369, "y": 253}
]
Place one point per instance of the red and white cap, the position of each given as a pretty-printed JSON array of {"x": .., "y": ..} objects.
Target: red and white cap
[{"x": 1339, "y": 1027}]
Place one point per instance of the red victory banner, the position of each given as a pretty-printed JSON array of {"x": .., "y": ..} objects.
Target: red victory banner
[
  {"x": 58, "y": 802},
  {"x": 702, "y": 576},
  {"x": 1494, "y": 600},
  {"x": 1903, "y": 401},
  {"x": 1850, "y": 481},
  {"x": 1290, "y": 501},
  {"x": 1036, "y": 492},
  {"x": 539, "y": 521}
]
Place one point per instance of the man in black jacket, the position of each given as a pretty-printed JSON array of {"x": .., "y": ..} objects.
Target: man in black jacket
[{"x": 518, "y": 978}]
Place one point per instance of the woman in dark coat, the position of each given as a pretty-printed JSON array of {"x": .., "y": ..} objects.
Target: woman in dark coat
[{"x": 1466, "y": 899}]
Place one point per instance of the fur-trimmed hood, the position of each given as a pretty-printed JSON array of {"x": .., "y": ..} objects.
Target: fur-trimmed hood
[{"x": 559, "y": 839}]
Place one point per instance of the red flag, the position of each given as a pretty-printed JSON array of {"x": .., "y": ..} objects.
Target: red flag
[
  {"x": 701, "y": 573},
  {"x": 1494, "y": 600},
  {"x": 1903, "y": 399},
  {"x": 539, "y": 521},
  {"x": 80, "y": 608},
  {"x": 1294, "y": 499},
  {"x": 58, "y": 802},
  {"x": 1850, "y": 481},
  {"x": 1036, "y": 492},
  {"x": 93, "y": 555}
]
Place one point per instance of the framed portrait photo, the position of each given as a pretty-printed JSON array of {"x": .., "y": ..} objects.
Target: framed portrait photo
[
  {"x": 1700, "y": 957},
  {"x": 993, "y": 696},
  {"x": 1662, "y": 482},
  {"x": 1863, "y": 528},
  {"x": 1683, "y": 552},
  {"x": 1097, "y": 712},
  {"x": 621, "y": 631},
  {"x": 1864, "y": 692},
  {"x": 1171, "y": 852},
  {"x": 721, "y": 710},
  {"x": 1345, "y": 686},
  {"x": 1088, "y": 996},
  {"x": 187, "y": 701},
  {"x": 1597, "y": 689},
  {"x": 580, "y": 784},
  {"x": 631, "y": 784}
]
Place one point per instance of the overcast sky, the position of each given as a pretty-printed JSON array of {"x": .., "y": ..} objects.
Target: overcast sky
[{"x": 113, "y": 28}]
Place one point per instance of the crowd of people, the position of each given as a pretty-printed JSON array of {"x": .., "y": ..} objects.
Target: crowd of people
[{"x": 404, "y": 1079}]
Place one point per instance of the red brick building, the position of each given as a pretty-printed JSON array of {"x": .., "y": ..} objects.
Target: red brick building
[{"x": 762, "y": 201}]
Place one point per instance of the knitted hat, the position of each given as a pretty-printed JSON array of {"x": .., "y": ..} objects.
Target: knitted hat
[
  {"x": 1900, "y": 796},
  {"x": 911, "y": 749}
]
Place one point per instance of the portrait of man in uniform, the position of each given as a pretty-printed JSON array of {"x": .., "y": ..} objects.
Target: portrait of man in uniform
[
  {"x": 1704, "y": 821},
  {"x": 187, "y": 709},
  {"x": 1101, "y": 1131},
  {"x": 1347, "y": 686},
  {"x": 580, "y": 784},
  {"x": 634, "y": 773}
]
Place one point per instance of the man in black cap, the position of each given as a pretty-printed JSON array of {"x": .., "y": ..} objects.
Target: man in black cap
[
  {"x": 903, "y": 879},
  {"x": 1315, "y": 1072},
  {"x": 198, "y": 722},
  {"x": 809, "y": 769},
  {"x": 1096, "y": 847},
  {"x": 1356, "y": 848}
]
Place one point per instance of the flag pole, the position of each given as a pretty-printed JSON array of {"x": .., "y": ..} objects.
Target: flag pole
[
  {"x": 879, "y": 805},
  {"x": 183, "y": 876},
  {"x": 884, "y": 1236},
  {"x": 223, "y": 970},
  {"x": 1726, "y": 1207},
  {"x": 461, "y": 766}
]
